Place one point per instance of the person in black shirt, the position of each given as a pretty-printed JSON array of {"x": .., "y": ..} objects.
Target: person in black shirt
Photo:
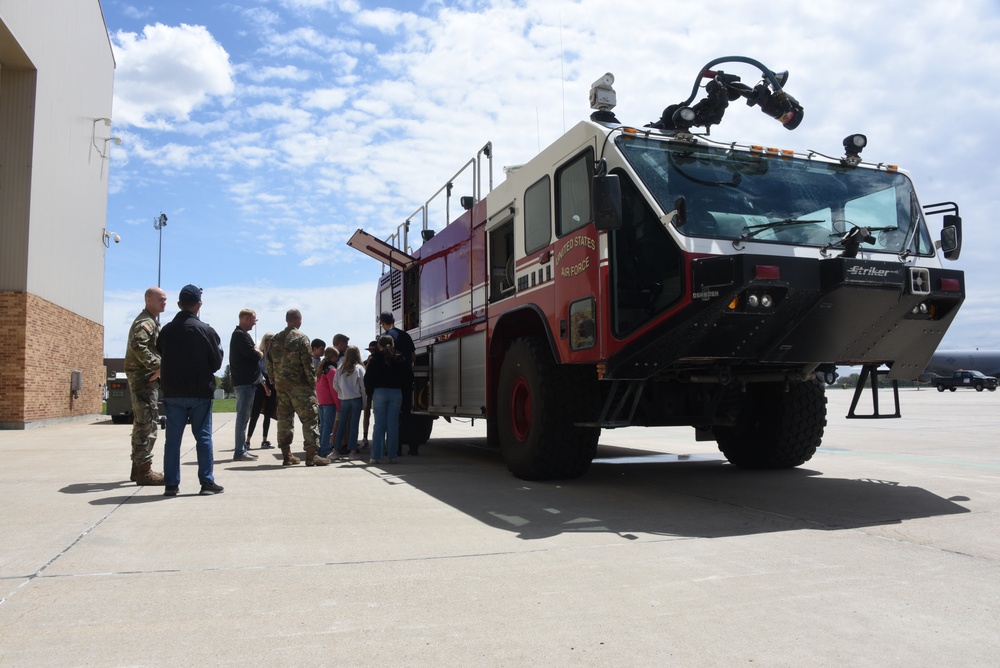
[
  {"x": 244, "y": 369},
  {"x": 265, "y": 400},
  {"x": 404, "y": 346},
  {"x": 191, "y": 353},
  {"x": 367, "y": 413},
  {"x": 385, "y": 378}
]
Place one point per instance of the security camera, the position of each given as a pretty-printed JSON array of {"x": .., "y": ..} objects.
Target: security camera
[{"x": 117, "y": 239}]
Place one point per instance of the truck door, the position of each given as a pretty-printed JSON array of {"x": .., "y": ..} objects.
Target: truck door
[{"x": 575, "y": 265}]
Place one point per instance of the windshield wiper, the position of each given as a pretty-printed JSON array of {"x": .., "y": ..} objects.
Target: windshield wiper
[
  {"x": 852, "y": 240},
  {"x": 754, "y": 230},
  {"x": 911, "y": 234}
]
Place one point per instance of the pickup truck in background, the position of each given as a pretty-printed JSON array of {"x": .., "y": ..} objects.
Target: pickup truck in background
[{"x": 970, "y": 379}]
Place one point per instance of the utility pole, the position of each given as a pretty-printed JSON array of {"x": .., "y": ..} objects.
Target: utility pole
[{"x": 159, "y": 224}]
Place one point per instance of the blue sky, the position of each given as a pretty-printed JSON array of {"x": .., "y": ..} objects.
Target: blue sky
[{"x": 269, "y": 130}]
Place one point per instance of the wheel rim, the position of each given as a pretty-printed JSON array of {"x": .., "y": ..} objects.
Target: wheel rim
[{"x": 520, "y": 409}]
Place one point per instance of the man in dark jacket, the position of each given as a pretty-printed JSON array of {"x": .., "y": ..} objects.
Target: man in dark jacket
[
  {"x": 191, "y": 353},
  {"x": 244, "y": 366}
]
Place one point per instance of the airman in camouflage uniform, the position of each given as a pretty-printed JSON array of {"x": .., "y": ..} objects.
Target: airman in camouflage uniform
[
  {"x": 142, "y": 366},
  {"x": 290, "y": 367}
]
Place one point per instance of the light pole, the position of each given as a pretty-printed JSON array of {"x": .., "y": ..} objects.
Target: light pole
[{"x": 159, "y": 224}]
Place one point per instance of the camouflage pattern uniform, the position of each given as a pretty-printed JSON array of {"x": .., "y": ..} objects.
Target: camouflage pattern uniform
[
  {"x": 141, "y": 360},
  {"x": 290, "y": 367}
]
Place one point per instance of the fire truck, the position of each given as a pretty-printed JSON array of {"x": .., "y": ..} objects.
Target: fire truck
[{"x": 653, "y": 276}]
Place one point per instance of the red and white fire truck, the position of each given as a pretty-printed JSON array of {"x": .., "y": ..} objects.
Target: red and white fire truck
[{"x": 652, "y": 276}]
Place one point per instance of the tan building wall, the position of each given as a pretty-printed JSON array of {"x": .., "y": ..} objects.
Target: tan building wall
[{"x": 56, "y": 85}]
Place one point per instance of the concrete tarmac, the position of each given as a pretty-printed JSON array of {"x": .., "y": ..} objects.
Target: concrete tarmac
[{"x": 883, "y": 550}]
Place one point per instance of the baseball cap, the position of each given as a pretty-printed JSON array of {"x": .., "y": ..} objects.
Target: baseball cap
[{"x": 190, "y": 294}]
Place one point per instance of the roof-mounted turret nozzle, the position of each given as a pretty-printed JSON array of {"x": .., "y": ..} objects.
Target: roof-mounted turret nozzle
[
  {"x": 724, "y": 88},
  {"x": 603, "y": 99}
]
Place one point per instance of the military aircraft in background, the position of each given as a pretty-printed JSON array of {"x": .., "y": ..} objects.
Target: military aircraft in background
[{"x": 946, "y": 362}]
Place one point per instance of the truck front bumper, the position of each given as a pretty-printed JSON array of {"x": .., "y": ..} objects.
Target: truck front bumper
[{"x": 773, "y": 313}]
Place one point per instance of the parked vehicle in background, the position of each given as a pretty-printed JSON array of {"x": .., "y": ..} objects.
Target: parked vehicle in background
[
  {"x": 970, "y": 379},
  {"x": 119, "y": 403},
  {"x": 119, "y": 400}
]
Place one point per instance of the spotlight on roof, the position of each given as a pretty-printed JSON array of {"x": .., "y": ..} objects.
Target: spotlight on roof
[{"x": 853, "y": 145}]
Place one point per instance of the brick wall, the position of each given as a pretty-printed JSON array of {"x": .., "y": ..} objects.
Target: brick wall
[
  {"x": 40, "y": 345},
  {"x": 13, "y": 320}
]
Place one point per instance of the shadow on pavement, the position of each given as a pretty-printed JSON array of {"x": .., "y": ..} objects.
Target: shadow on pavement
[
  {"x": 124, "y": 485},
  {"x": 629, "y": 491},
  {"x": 91, "y": 487},
  {"x": 130, "y": 499}
]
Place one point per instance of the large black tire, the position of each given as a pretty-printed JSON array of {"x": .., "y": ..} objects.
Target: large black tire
[
  {"x": 952, "y": 389},
  {"x": 775, "y": 429},
  {"x": 121, "y": 419},
  {"x": 940, "y": 387},
  {"x": 538, "y": 404},
  {"x": 979, "y": 387}
]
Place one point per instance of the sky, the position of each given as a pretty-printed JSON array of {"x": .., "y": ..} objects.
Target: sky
[{"x": 268, "y": 131}]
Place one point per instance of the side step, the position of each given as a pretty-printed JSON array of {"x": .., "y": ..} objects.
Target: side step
[{"x": 870, "y": 373}]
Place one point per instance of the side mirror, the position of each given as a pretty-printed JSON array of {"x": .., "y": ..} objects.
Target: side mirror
[
  {"x": 951, "y": 237},
  {"x": 680, "y": 212},
  {"x": 607, "y": 202}
]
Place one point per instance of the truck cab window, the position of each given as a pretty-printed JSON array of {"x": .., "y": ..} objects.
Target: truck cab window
[
  {"x": 537, "y": 216},
  {"x": 573, "y": 194},
  {"x": 501, "y": 251}
]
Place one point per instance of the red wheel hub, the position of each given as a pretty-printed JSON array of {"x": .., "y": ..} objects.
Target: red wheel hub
[{"x": 520, "y": 409}]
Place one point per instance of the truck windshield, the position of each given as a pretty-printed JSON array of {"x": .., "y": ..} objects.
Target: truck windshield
[{"x": 743, "y": 197}]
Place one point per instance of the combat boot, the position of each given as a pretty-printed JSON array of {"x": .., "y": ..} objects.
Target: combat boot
[
  {"x": 288, "y": 459},
  {"x": 144, "y": 475},
  {"x": 134, "y": 472},
  {"x": 312, "y": 459}
]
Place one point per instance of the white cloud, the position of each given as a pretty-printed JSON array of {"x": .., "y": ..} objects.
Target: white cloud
[
  {"x": 306, "y": 43},
  {"x": 261, "y": 17},
  {"x": 348, "y": 6},
  {"x": 326, "y": 99},
  {"x": 390, "y": 22},
  {"x": 286, "y": 72},
  {"x": 166, "y": 73},
  {"x": 136, "y": 13}
]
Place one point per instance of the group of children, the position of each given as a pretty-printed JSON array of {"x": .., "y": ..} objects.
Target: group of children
[
  {"x": 340, "y": 393},
  {"x": 346, "y": 388}
]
